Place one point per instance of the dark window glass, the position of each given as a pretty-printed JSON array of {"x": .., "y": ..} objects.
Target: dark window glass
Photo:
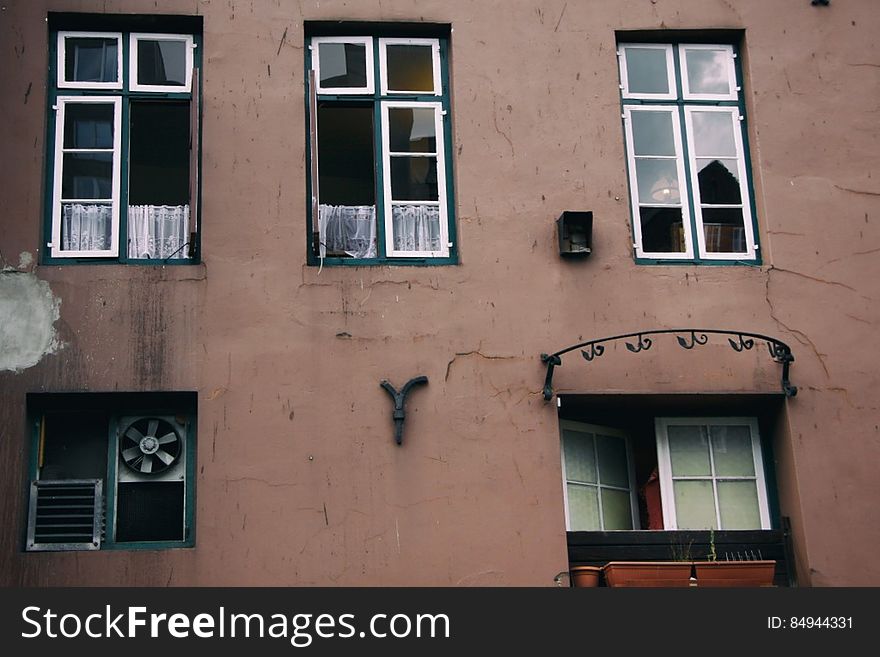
[
  {"x": 159, "y": 154},
  {"x": 662, "y": 230},
  {"x": 87, "y": 176},
  {"x": 343, "y": 65},
  {"x": 410, "y": 68},
  {"x": 346, "y": 169},
  {"x": 149, "y": 511},
  {"x": 414, "y": 179},
  {"x": 88, "y": 125},
  {"x": 161, "y": 62},
  {"x": 90, "y": 59}
]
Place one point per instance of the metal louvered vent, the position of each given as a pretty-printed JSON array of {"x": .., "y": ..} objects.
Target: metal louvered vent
[{"x": 66, "y": 515}]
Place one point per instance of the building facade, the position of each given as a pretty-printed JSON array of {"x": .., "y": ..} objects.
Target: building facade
[{"x": 227, "y": 224}]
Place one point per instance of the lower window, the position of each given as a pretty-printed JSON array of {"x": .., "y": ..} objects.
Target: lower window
[
  {"x": 703, "y": 473},
  {"x": 112, "y": 470}
]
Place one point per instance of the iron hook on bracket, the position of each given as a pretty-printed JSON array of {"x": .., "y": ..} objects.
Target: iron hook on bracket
[{"x": 399, "y": 398}]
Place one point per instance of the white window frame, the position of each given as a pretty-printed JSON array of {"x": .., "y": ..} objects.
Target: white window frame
[
  {"x": 63, "y": 83},
  {"x": 383, "y": 65},
  {"x": 733, "y": 94},
  {"x": 746, "y": 204},
  {"x": 688, "y": 253},
  {"x": 605, "y": 431},
  {"x": 664, "y": 463},
  {"x": 367, "y": 42},
  {"x": 60, "y": 108},
  {"x": 133, "y": 85},
  {"x": 441, "y": 180},
  {"x": 670, "y": 72}
]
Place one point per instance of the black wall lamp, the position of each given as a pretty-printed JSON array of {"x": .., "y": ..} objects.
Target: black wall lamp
[{"x": 575, "y": 230}]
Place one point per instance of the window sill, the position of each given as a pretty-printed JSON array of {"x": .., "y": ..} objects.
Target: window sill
[{"x": 378, "y": 262}]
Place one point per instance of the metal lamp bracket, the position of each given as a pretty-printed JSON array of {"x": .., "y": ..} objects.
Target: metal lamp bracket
[{"x": 399, "y": 399}]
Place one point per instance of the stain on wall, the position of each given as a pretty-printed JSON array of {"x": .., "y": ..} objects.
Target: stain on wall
[{"x": 28, "y": 312}]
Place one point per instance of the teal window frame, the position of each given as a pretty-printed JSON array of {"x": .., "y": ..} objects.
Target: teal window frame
[
  {"x": 116, "y": 406},
  {"x": 677, "y": 100},
  {"x": 124, "y": 26},
  {"x": 376, "y": 98}
]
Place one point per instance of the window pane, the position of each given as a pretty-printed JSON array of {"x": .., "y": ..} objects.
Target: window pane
[
  {"x": 90, "y": 59},
  {"x": 713, "y": 134},
  {"x": 345, "y": 155},
  {"x": 723, "y": 230},
  {"x": 657, "y": 181},
  {"x": 161, "y": 62},
  {"x": 86, "y": 227},
  {"x": 662, "y": 230},
  {"x": 646, "y": 70},
  {"x": 580, "y": 459},
  {"x": 410, "y": 68},
  {"x": 719, "y": 184},
  {"x": 613, "y": 468},
  {"x": 738, "y": 502},
  {"x": 87, "y": 175},
  {"x": 708, "y": 71},
  {"x": 652, "y": 133},
  {"x": 416, "y": 227},
  {"x": 412, "y": 130},
  {"x": 159, "y": 155},
  {"x": 616, "y": 509},
  {"x": 583, "y": 508},
  {"x": 694, "y": 505},
  {"x": 342, "y": 65},
  {"x": 88, "y": 125},
  {"x": 732, "y": 450},
  {"x": 688, "y": 450},
  {"x": 414, "y": 178}
]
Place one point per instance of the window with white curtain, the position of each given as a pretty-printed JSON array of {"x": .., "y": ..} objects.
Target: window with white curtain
[
  {"x": 686, "y": 151},
  {"x": 123, "y": 143},
  {"x": 380, "y": 147}
]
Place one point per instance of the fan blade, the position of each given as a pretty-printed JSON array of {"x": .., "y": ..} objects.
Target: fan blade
[
  {"x": 168, "y": 438},
  {"x": 130, "y": 454},
  {"x": 153, "y": 427},
  {"x": 147, "y": 464},
  {"x": 133, "y": 434},
  {"x": 164, "y": 456}
]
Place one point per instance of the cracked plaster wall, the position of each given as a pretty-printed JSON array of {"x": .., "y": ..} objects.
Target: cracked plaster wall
[{"x": 299, "y": 478}]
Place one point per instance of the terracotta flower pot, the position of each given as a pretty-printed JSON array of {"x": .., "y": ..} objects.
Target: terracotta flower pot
[
  {"x": 735, "y": 573},
  {"x": 648, "y": 573},
  {"x": 584, "y": 576}
]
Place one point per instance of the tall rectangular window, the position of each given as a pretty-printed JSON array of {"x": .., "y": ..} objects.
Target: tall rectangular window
[
  {"x": 686, "y": 153},
  {"x": 380, "y": 150},
  {"x": 123, "y": 143}
]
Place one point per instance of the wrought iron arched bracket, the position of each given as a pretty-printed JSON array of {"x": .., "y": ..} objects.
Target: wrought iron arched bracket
[{"x": 687, "y": 339}]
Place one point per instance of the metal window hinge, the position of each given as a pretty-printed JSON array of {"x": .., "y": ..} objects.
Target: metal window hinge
[
  {"x": 734, "y": 55},
  {"x": 449, "y": 245},
  {"x": 756, "y": 247},
  {"x": 49, "y": 244},
  {"x": 443, "y": 112},
  {"x": 55, "y": 107},
  {"x": 741, "y": 117}
]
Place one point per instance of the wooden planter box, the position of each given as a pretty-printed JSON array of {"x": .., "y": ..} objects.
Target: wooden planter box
[
  {"x": 648, "y": 573},
  {"x": 584, "y": 576},
  {"x": 735, "y": 573}
]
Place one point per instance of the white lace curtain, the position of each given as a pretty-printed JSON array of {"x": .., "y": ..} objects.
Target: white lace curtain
[
  {"x": 349, "y": 229},
  {"x": 416, "y": 227},
  {"x": 154, "y": 231},
  {"x": 158, "y": 231},
  {"x": 86, "y": 227}
]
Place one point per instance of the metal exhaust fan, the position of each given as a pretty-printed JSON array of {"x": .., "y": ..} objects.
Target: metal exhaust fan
[{"x": 150, "y": 445}]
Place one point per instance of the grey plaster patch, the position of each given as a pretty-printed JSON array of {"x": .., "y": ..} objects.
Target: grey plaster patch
[{"x": 28, "y": 312}]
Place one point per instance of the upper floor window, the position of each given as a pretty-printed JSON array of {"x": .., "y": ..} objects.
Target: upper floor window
[
  {"x": 122, "y": 141},
  {"x": 380, "y": 141},
  {"x": 686, "y": 153}
]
